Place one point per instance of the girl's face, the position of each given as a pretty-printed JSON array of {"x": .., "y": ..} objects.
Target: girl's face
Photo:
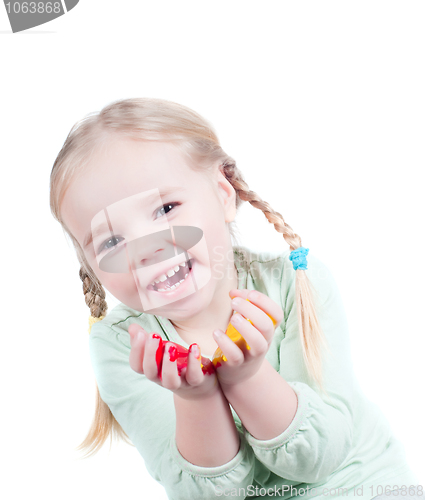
[{"x": 139, "y": 190}]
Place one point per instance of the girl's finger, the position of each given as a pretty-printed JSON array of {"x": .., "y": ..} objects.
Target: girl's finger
[
  {"x": 170, "y": 377},
  {"x": 194, "y": 375},
  {"x": 267, "y": 314},
  {"x": 267, "y": 305},
  {"x": 232, "y": 354},
  {"x": 149, "y": 359},
  {"x": 256, "y": 342},
  {"x": 235, "y": 292},
  {"x": 259, "y": 319},
  {"x": 138, "y": 341},
  {"x": 133, "y": 329}
]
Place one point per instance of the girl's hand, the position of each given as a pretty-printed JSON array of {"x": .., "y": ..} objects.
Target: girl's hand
[
  {"x": 192, "y": 383},
  {"x": 242, "y": 363}
]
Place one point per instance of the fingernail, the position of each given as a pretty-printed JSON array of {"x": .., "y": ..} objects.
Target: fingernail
[
  {"x": 236, "y": 301},
  {"x": 236, "y": 318},
  {"x": 195, "y": 349},
  {"x": 217, "y": 333},
  {"x": 134, "y": 333}
]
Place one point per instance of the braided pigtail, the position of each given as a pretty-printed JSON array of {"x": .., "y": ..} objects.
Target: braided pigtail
[
  {"x": 309, "y": 327},
  {"x": 94, "y": 295},
  {"x": 104, "y": 423}
]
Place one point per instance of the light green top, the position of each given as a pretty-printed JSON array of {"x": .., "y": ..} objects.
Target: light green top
[{"x": 342, "y": 442}]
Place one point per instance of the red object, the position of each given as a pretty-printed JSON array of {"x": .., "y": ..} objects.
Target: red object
[
  {"x": 172, "y": 353},
  {"x": 159, "y": 353},
  {"x": 179, "y": 354}
]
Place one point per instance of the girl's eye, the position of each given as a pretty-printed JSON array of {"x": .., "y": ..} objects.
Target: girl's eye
[
  {"x": 167, "y": 206},
  {"x": 104, "y": 246},
  {"x": 114, "y": 240}
]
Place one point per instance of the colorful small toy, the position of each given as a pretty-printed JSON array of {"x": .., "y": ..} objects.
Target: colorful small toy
[{"x": 179, "y": 353}]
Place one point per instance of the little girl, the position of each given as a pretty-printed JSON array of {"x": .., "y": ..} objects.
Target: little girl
[{"x": 148, "y": 198}]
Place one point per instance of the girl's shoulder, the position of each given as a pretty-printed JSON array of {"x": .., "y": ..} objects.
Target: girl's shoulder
[
  {"x": 114, "y": 326},
  {"x": 248, "y": 260},
  {"x": 272, "y": 272},
  {"x": 245, "y": 257}
]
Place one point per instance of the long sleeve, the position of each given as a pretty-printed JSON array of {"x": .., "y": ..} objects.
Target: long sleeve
[
  {"x": 319, "y": 438},
  {"x": 146, "y": 413}
]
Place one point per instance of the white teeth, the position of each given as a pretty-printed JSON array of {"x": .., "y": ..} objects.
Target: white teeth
[
  {"x": 170, "y": 273},
  {"x": 172, "y": 287}
]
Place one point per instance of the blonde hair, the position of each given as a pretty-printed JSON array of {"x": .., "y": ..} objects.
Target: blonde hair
[{"x": 161, "y": 120}]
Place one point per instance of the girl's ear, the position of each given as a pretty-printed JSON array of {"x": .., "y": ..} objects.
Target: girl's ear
[{"x": 227, "y": 196}]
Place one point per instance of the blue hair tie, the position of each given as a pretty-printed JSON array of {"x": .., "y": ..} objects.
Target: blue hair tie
[{"x": 298, "y": 257}]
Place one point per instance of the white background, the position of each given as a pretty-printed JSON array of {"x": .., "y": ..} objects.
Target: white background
[{"x": 322, "y": 106}]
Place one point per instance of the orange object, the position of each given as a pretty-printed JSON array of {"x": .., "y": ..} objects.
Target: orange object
[{"x": 237, "y": 338}]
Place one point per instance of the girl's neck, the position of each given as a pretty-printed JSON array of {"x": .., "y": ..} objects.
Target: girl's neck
[{"x": 199, "y": 328}]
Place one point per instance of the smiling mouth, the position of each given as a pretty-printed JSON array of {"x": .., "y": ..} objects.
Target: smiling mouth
[{"x": 168, "y": 283}]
